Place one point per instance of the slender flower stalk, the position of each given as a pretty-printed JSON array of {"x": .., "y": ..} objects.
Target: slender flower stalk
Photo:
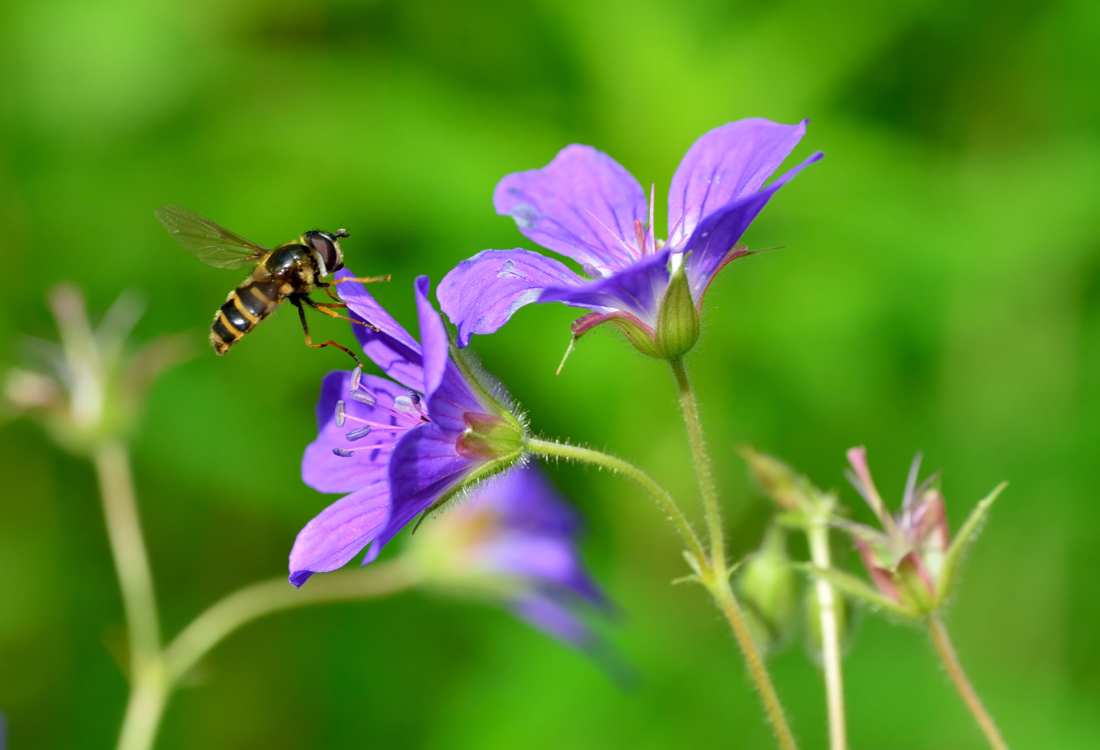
[
  {"x": 149, "y": 687},
  {"x": 163, "y": 673},
  {"x": 805, "y": 507},
  {"x": 830, "y": 635},
  {"x": 707, "y": 487},
  {"x": 274, "y": 595},
  {"x": 955, "y": 671},
  {"x": 636, "y": 475},
  {"x": 135, "y": 579},
  {"x": 723, "y": 594},
  {"x": 717, "y": 583}
]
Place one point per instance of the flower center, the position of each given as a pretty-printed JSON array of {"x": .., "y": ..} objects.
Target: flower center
[{"x": 408, "y": 411}]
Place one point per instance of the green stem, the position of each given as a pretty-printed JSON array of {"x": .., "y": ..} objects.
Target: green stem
[
  {"x": 275, "y": 595},
  {"x": 147, "y": 683},
  {"x": 632, "y": 472},
  {"x": 154, "y": 684},
  {"x": 723, "y": 594},
  {"x": 135, "y": 581},
  {"x": 707, "y": 487},
  {"x": 955, "y": 671},
  {"x": 830, "y": 636},
  {"x": 717, "y": 584},
  {"x": 149, "y": 693}
]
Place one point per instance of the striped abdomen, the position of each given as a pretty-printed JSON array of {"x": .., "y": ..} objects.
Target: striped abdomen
[{"x": 246, "y": 306}]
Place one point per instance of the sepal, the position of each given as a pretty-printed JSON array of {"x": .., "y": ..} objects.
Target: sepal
[
  {"x": 677, "y": 319},
  {"x": 858, "y": 589},
  {"x": 966, "y": 535}
]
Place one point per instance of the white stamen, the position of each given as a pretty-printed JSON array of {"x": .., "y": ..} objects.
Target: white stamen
[
  {"x": 358, "y": 433},
  {"x": 356, "y": 375},
  {"x": 343, "y": 453},
  {"x": 363, "y": 397},
  {"x": 340, "y": 413},
  {"x": 406, "y": 404}
]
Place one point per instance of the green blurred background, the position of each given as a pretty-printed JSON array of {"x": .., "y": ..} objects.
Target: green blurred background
[{"x": 939, "y": 290}]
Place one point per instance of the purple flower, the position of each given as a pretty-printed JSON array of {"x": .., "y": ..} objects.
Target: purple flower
[
  {"x": 513, "y": 541},
  {"x": 585, "y": 206},
  {"x": 399, "y": 448}
]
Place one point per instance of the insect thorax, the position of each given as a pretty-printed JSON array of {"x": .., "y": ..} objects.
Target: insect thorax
[{"x": 293, "y": 266}]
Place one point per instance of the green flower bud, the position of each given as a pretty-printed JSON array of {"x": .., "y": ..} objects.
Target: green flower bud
[
  {"x": 489, "y": 438},
  {"x": 768, "y": 589},
  {"x": 678, "y": 318}
]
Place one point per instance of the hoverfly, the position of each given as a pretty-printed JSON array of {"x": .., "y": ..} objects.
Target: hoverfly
[{"x": 289, "y": 272}]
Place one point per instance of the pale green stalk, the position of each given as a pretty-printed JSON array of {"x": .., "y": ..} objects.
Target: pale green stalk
[
  {"x": 275, "y": 595},
  {"x": 818, "y": 533},
  {"x": 155, "y": 672},
  {"x": 135, "y": 581},
  {"x": 152, "y": 689}
]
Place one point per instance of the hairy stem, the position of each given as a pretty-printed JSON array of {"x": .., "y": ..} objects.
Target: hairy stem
[
  {"x": 275, "y": 595},
  {"x": 955, "y": 671},
  {"x": 723, "y": 594},
  {"x": 632, "y": 472},
  {"x": 717, "y": 584},
  {"x": 707, "y": 487},
  {"x": 830, "y": 637}
]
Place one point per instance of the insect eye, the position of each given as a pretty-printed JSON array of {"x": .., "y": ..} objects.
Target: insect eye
[{"x": 326, "y": 248}]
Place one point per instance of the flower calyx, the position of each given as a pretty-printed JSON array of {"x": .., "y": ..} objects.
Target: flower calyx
[
  {"x": 490, "y": 438},
  {"x": 677, "y": 319}
]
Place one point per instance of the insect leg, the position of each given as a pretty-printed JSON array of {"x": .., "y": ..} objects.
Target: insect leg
[
  {"x": 309, "y": 342},
  {"x": 367, "y": 280},
  {"x": 324, "y": 308}
]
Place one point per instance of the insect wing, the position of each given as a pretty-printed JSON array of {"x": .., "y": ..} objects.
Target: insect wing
[{"x": 214, "y": 245}]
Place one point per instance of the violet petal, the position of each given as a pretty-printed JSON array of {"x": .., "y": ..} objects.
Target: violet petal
[
  {"x": 554, "y": 617},
  {"x": 449, "y": 396},
  {"x": 713, "y": 239},
  {"x": 390, "y": 347},
  {"x": 424, "y": 466},
  {"x": 637, "y": 290},
  {"x": 725, "y": 164},
  {"x": 338, "y": 532},
  {"x": 480, "y": 294},
  {"x": 582, "y": 205}
]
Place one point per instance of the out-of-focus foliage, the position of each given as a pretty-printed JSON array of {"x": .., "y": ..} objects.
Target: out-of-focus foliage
[{"x": 939, "y": 289}]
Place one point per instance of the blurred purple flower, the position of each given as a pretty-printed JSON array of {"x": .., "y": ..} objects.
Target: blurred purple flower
[
  {"x": 585, "y": 206},
  {"x": 514, "y": 541},
  {"x": 399, "y": 448}
]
